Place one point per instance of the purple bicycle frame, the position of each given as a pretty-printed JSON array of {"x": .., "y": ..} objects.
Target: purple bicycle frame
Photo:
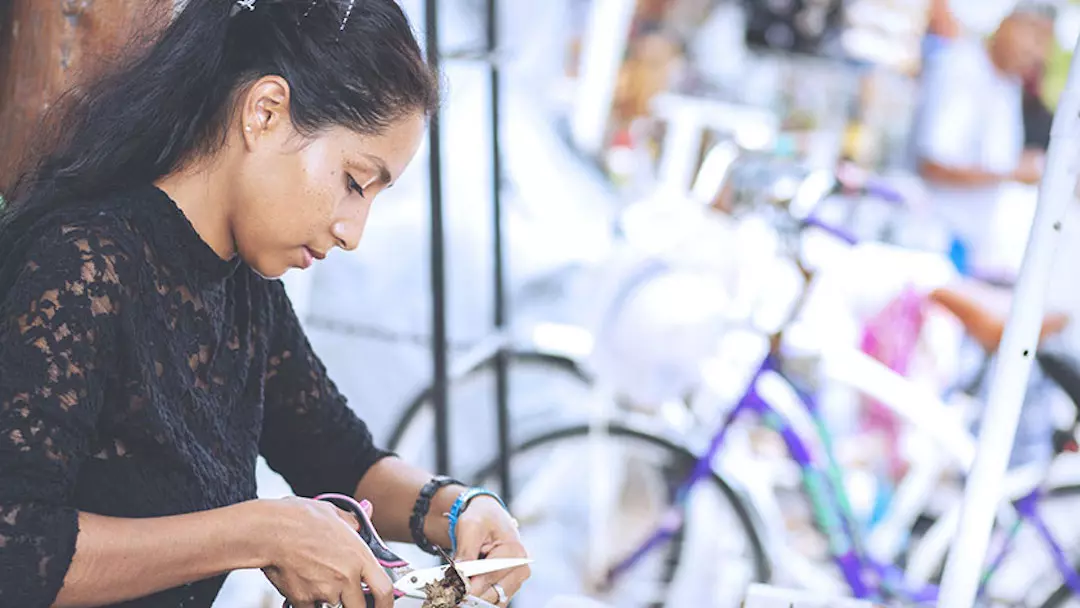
[
  {"x": 840, "y": 536},
  {"x": 865, "y": 577}
]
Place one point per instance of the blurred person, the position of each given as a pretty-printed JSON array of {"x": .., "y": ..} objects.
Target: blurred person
[
  {"x": 942, "y": 21},
  {"x": 969, "y": 137},
  {"x": 942, "y": 28},
  {"x": 977, "y": 148},
  {"x": 147, "y": 360}
]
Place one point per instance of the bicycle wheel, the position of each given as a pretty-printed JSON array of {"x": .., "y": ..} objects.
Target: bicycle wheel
[
  {"x": 709, "y": 563},
  {"x": 1069, "y": 497},
  {"x": 1063, "y": 597},
  {"x": 544, "y": 389},
  {"x": 1027, "y": 576}
]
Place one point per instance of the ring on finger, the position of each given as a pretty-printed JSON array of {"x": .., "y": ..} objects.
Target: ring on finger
[{"x": 503, "y": 599}]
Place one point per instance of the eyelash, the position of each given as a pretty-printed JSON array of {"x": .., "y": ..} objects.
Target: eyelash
[{"x": 353, "y": 186}]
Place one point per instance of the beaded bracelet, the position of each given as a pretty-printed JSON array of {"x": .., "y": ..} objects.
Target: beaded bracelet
[
  {"x": 421, "y": 508},
  {"x": 459, "y": 507}
]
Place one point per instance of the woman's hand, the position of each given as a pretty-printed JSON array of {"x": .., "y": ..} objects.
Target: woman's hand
[
  {"x": 486, "y": 530},
  {"x": 317, "y": 556}
]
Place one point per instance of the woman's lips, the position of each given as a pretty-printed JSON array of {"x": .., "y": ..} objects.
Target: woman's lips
[{"x": 309, "y": 258}]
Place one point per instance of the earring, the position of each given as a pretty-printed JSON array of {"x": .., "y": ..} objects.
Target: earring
[{"x": 248, "y": 128}]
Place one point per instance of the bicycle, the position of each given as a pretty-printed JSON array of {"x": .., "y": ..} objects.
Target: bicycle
[
  {"x": 471, "y": 388},
  {"x": 774, "y": 399}
]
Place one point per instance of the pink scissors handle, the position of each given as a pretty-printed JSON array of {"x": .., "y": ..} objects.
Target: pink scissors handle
[{"x": 391, "y": 563}]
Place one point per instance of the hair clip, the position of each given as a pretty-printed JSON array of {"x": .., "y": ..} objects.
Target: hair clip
[
  {"x": 242, "y": 4},
  {"x": 348, "y": 11},
  {"x": 310, "y": 8}
]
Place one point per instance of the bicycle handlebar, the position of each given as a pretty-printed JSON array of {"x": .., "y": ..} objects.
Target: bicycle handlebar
[
  {"x": 840, "y": 233},
  {"x": 844, "y": 182},
  {"x": 878, "y": 188},
  {"x": 884, "y": 192}
]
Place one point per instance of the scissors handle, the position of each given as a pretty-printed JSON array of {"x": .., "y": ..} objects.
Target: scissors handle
[
  {"x": 395, "y": 567},
  {"x": 387, "y": 558}
]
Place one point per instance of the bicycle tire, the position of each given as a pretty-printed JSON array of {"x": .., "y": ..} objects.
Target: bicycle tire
[
  {"x": 423, "y": 398},
  {"x": 543, "y": 388},
  {"x": 761, "y": 567},
  {"x": 1063, "y": 593},
  {"x": 1058, "y": 598}
]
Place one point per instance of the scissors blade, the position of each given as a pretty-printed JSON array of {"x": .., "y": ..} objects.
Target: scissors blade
[
  {"x": 480, "y": 567},
  {"x": 413, "y": 583},
  {"x": 474, "y": 602}
]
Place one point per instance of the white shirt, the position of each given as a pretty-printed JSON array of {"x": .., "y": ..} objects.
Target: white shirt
[{"x": 971, "y": 117}]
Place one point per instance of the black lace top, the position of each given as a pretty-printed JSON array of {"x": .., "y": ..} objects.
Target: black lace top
[{"x": 140, "y": 376}]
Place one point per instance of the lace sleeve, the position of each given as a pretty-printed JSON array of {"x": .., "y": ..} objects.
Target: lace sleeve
[
  {"x": 57, "y": 329},
  {"x": 310, "y": 435}
]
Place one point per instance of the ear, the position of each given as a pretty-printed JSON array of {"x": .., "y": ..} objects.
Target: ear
[{"x": 265, "y": 108}]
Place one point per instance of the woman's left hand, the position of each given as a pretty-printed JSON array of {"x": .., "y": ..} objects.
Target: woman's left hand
[{"x": 485, "y": 530}]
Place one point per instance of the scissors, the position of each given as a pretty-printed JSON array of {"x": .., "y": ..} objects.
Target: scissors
[{"x": 409, "y": 582}]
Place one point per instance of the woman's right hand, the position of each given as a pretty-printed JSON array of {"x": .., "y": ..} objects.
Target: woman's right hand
[{"x": 315, "y": 555}]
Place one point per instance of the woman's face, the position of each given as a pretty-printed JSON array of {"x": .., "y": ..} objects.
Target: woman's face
[{"x": 299, "y": 197}]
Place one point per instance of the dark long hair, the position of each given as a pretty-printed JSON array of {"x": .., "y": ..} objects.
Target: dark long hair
[{"x": 354, "y": 63}]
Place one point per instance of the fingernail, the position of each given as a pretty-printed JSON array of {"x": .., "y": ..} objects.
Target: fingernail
[{"x": 365, "y": 504}]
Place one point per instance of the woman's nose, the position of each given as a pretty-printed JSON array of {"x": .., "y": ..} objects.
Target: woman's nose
[{"x": 347, "y": 237}]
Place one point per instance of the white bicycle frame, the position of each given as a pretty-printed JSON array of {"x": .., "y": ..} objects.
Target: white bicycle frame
[
  {"x": 953, "y": 448},
  {"x": 939, "y": 422}
]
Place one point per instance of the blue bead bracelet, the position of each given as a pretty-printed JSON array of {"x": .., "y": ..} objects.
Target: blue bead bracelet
[{"x": 459, "y": 507}]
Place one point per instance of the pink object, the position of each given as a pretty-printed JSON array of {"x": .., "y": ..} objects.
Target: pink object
[{"x": 891, "y": 336}]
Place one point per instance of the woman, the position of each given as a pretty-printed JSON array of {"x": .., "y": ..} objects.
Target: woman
[{"x": 145, "y": 358}]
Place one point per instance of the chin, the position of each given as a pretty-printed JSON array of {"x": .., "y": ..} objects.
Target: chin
[
  {"x": 264, "y": 266},
  {"x": 269, "y": 273},
  {"x": 268, "y": 277}
]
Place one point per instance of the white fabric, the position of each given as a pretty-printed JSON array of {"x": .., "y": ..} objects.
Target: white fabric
[{"x": 971, "y": 118}]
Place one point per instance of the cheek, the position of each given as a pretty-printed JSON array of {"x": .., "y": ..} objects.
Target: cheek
[
  {"x": 297, "y": 200},
  {"x": 283, "y": 217}
]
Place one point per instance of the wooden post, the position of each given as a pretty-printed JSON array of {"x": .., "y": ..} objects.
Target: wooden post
[{"x": 46, "y": 46}]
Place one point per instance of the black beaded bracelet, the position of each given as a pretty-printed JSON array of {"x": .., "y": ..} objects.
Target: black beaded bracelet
[{"x": 421, "y": 508}]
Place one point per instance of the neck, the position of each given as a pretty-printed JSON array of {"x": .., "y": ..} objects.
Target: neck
[{"x": 202, "y": 194}]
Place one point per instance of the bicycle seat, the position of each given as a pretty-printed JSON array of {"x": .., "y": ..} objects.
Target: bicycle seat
[{"x": 983, "y": 310}]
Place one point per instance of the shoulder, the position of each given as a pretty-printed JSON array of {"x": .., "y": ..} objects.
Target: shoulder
[
  {"x": 87, "y": 256},
  {"x": 95, "y": 243}
]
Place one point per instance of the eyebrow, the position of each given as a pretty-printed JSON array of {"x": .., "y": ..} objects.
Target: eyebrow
[{"x": 384, "y": 173}]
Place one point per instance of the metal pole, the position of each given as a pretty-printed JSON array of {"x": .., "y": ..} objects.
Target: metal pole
[
  {"x": 606, "y": 38},
  {"x": 438, "y": 262},
  {"x": 960, "y": 585},
  {"x": 502, "y": 384}
]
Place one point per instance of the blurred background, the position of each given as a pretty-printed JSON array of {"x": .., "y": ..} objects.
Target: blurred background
[{"x": 757, "y": 255}]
